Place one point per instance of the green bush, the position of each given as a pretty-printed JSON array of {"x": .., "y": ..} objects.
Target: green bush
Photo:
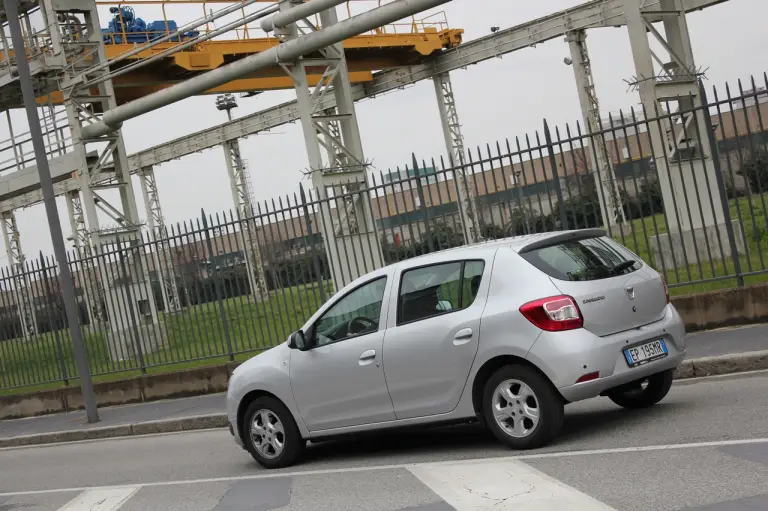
[{"x": 755, "y": 169}]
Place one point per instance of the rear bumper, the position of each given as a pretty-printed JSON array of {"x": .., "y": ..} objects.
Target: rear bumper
[
  {"x": 594, "y": 388},
  {"x": 566, "y": 356}
]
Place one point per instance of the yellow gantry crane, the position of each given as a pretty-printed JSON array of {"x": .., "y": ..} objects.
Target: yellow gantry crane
[{"x": 402, "y": 44}]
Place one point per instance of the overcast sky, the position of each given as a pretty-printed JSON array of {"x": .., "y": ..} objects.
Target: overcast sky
[{"x": 496, "y": 99}]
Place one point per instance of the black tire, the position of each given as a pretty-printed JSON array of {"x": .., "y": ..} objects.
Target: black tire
[
  {"x": 657, "y": 388},
  {"x": 550, "y": 404},
  {"x": 293, "y": 443}
]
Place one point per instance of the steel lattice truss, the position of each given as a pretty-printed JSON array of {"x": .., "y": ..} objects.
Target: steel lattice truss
[{"x": 595, "y": 14}]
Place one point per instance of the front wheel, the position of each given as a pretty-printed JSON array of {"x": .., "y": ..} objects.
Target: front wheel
[
  {"x": 270, "y": 434},
  {"x": 644, "y": 393},
  {"x": 522, "y": 408}
]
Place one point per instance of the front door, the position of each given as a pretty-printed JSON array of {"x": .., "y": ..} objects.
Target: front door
[
  {"x": 429, "y": 351},
  {"x": 340, "y": 381}
]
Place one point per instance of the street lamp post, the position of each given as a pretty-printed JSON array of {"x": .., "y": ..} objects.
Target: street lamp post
[{"x": 54, "y": 225}]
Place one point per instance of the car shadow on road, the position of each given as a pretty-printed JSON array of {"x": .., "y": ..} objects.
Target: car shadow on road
[
  {"x": 581, "y": 425},
  {"x": 472, "y": 440}
]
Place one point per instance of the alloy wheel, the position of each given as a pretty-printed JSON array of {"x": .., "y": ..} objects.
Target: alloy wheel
[
  {"x": 267, "y": 434},
  {"x": 516, "y": 408}
]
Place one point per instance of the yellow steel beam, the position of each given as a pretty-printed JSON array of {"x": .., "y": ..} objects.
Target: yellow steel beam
[
  {"x": 126, "y": 90},
  {"x": 424, "y": 43}
]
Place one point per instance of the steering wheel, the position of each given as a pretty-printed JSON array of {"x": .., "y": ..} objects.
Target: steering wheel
[{"x": 363, "y": 322}]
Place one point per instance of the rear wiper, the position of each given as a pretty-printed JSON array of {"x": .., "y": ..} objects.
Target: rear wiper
[{"x": 621, "y": 267}]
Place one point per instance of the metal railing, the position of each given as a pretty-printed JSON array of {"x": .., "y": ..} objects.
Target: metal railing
[{"x": 710, "y": 232}]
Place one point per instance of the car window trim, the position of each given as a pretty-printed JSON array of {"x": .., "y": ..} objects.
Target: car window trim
[
  {"x": 463, "y": 262},
  {"x": 330, "y": 307}
]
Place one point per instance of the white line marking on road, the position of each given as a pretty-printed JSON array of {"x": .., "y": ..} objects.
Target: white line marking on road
[
  {"x": 101, "y": 499},
  {"x": 299, "y": 473},
  {"x": 502, "y": 486}
]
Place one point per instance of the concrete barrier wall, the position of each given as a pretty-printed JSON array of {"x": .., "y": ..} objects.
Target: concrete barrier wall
[
  {"x": 727, "y": 307},
  {"x": 191, "y": 382},
  {"x": 700, "y": 312}
]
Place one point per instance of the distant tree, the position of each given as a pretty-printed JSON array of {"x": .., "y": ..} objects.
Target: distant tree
[{"x": 755, "y": 170}]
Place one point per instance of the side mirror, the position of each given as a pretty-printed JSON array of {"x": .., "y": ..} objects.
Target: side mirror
[{"x": 298, "y": 341}]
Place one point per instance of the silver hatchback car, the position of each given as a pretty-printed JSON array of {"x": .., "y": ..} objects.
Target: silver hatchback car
[{"x": 505, "y": 333}]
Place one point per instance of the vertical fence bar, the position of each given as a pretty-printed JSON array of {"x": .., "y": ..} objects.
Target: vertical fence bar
[
  {"x": 207, "y": 296},
  {"x": 190, "y": 260},
  {"x": 663, "y": 151},
  {"x": 302, "y": 224},
  {"x": 217, "y": 286},
  {"x": 276, "y": 241},
  {"x": 311, "y": 239},
  {"x": 132, "y": 311},
  {"x": 732, "y": 173},
  {"x": 274, "y": 303},
  {"x": 423, "y": 202},
  {"x": 715, "y": 155},
  {"x": 555, "y": 176},
  {"x": 16, "y": 358},
  {"x": 628, "y": 212},
  {"x": 651, "y": 207},
  {"x": 54, "y": 324}
]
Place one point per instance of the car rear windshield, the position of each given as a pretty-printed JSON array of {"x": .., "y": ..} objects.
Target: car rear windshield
[{"x": 585, "y": 259}]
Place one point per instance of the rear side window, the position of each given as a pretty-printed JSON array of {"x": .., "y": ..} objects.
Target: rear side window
[
  {"x": 438, "y": 289},
  {"x": 582, "y": 260}
]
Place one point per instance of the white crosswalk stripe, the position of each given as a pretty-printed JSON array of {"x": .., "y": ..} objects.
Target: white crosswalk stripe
[
  {"x": 101, "y": 499},
  {"x": 500, "y": 486}
]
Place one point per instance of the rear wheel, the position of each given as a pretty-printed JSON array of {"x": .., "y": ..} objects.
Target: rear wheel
[
  {"x": 521, "y": 407},
  {"x": 270, "y": 434},
  {"x": 644, "y": 393}
]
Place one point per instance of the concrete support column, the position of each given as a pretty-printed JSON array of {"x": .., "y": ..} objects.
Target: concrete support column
[
  {"x": 681, "y": 148},
  {"x": 349, "y": 234},
  {"x": 103, "y": 165}
]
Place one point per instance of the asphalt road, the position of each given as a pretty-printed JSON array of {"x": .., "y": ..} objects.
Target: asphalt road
[
  {"x": 705, "y": 447},
  {"x": 704, "y": 344}
]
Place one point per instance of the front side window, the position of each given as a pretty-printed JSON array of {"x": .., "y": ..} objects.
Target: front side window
[
  {"x": 438, "y": 289},
  {"x": 581, "y": 260},
  {"x": 356, "y": 314}
]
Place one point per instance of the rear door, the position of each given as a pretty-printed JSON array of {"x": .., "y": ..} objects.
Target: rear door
[
  {"x": 613, "y": 288},
  {"x": 431, "y": 342}
]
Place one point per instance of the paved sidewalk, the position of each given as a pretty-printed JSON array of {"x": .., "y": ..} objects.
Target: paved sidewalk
[
  {"x": 117, "y": 415},
  {"x": 704, "y": 344}
]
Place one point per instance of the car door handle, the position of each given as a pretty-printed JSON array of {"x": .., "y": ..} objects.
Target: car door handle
[
  {"x": 462, "y": 337},
  {"x": 367, "y": 357}
]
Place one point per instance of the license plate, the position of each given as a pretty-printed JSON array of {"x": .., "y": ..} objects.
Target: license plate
[{"x": 648, "y": 352}]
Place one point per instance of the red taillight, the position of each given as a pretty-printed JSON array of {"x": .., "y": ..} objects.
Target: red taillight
[
  {"x": 553, "y": 314},
  {"x": 666, "y": 290}
]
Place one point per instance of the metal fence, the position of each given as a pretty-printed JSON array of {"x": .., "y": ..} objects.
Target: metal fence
[{"x": 188, "y": 299}]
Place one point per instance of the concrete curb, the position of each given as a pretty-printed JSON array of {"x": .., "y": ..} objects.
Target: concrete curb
[
  {"x": 217, "y": 420},
  {"x": 723, "y": 364},
  {"x": 694, "y": 368}
]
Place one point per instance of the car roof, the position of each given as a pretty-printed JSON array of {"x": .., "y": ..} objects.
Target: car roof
[{"x": 519, "y": 244}]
